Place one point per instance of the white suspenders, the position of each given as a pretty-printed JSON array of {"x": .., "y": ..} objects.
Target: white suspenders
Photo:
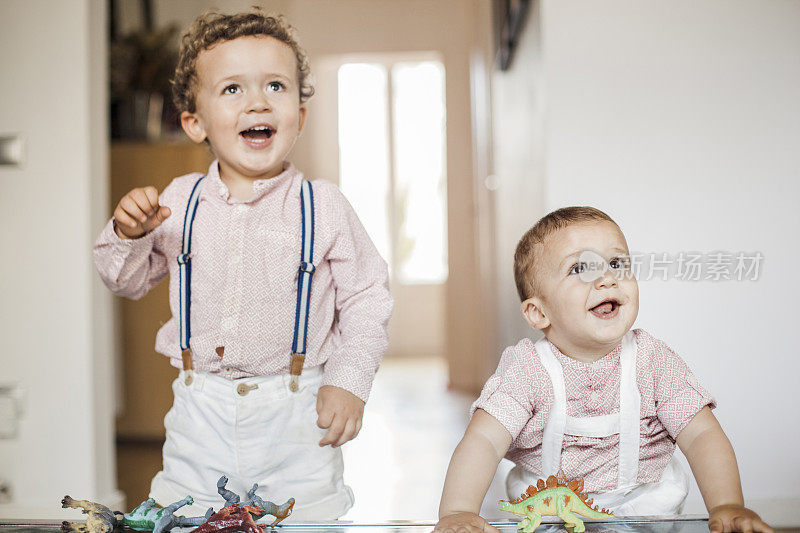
[
  {"x": 626, "y": 422},
  {"x": 303, "y": 282}
]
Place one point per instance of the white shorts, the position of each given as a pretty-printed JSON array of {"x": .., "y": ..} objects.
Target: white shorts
[
  {"x": 252, "y": 430},
  {"x": 660, "y": 498}
]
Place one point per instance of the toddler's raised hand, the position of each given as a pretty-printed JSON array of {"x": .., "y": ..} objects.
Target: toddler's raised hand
[
  {"x": 138, "y": 213},
  {"x": 464, "y": 522},
  {"x": 727, "y": 518},
  {"x": 341, "y": 411}
]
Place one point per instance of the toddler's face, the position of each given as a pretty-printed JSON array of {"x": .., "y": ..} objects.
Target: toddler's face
[
  {"x": 588, "y": 296},
  {"x": 247, "y": 105}
]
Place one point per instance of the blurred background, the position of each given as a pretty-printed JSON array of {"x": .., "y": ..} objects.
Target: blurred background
[{"x": 451, "y": 126}]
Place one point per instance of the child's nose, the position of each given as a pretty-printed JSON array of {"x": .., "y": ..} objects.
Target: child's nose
[
  {"x": 258, "y": 103},
  {"x": 607, "y": 279}
]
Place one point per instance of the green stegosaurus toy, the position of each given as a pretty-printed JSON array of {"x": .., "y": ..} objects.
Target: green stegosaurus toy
[{"x": 554, "y": 497}]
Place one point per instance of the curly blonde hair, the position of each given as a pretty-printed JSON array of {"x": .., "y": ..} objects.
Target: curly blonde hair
[
  {"x": 524, "y": 256},
  {"x": 213, "y": 27}
]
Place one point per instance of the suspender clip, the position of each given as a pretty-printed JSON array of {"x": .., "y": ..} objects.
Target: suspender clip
[
  {"x": 188, "y": 367},
  {"x": 296, "y": 369},
  {"x": 308, "y": 268},
  {"x": 186, "y": 355},
  {"x": 184, "y": 258}
]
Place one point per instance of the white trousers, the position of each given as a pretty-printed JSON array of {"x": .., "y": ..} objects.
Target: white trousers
[
  {"x": 660, "y": 498},
  {"x": 252, "y": 430}
]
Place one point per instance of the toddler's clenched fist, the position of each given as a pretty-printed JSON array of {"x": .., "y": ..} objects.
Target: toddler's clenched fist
[{"x": 138, "y": 213}]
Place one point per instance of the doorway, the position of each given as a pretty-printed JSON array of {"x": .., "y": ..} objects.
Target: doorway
[{"x": 391, "y": 159}]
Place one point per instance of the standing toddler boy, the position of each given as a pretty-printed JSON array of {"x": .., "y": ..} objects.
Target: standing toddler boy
[{"x": 273, "y": 376}]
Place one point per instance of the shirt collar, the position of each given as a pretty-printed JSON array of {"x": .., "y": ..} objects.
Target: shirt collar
[
  {"x": 605, "y": 361},
  {"x": 217, "y": 189}
]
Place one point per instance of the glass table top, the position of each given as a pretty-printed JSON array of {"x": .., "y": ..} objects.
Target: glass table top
[{"x": 619, "y": 525}]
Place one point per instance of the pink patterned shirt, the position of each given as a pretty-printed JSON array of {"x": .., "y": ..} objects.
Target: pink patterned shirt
[
  {"x": 245, "y": 259},
  {"x": 519, "y": 395}
]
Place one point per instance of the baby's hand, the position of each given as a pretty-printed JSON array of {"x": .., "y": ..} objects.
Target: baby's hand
[
  {"x": 464, "y": 522},
  {"x": 138, "y": 213},
  {"x": 732, "y": 517},
  {"x": 341, "y": 411}
]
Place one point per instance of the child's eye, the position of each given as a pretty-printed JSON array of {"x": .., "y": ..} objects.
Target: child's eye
[
  {"x": 577, "y": 268},
  {"x": 619, "y": 263},
  {"x": 275, "y": 86},
  {"x": 231, "y": 89}
]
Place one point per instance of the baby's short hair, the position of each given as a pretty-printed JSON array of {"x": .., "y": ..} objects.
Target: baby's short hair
[
  {"x": 524, "y": 256},
  {"x": 211, "y": 28}
]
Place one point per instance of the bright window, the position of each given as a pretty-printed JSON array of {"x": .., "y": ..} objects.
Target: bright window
[
  {"x": 363, "y": 150},
  {"x": 392, "y": 162}
]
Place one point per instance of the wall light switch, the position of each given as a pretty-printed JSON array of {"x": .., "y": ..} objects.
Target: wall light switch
[
  {"x": 12, "y": 401},
  {"x": 12, "y": 150},
  {"x": 5, "y": 491}
]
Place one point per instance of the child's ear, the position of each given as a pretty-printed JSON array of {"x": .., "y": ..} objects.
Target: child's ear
[
  {"x": 533, "y": 313},
  {"x": 193, "y": 126},
  {"x": 302, "y": 120}
]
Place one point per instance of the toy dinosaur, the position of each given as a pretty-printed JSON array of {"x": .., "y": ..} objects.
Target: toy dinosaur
[
  {"x": 232, "y": 518},
  {"x": 148, "y": 517},
  {"x": 101, "y": 519},
  {"x": 554, "y": 497},
  {"x": 253, "y": 502}
]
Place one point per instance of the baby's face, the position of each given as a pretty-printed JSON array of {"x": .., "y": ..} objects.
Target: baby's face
[
  {"x": 588, "y": 296},
  {"x": 247, "y": 105}
]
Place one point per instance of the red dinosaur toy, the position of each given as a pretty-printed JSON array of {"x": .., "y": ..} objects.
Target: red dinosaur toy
[{"x": 233, "y": 518}]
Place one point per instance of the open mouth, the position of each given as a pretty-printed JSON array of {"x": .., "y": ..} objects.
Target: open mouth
[
  {"x": 258, "y": 135},
  {"x": 606, "y": 309}
]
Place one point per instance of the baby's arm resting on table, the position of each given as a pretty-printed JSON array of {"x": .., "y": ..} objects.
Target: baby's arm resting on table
[
  {"x": 341, "y": 411},
  {"x": 471, "y": 470},
  {"x": 713, "y": 463}
]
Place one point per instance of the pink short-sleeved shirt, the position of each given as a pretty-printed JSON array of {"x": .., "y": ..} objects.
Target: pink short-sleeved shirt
[
  {"x": 245, "y": 259},
  {"x": 519, "y": 395}
]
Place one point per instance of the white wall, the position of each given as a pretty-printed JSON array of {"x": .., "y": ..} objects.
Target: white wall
[
  {"x": 55, "y": 318},
  {"x": 518, "y": 159},
  {"x": 681, "y": 119}
]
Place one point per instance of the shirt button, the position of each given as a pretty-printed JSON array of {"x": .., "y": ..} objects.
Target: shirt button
[
  {"x": 229, "y": 323},
  {"x": 241, "y": 208},
  {"x": 593, "y": 400},
  {"x": 222, "y": 191},
  {"x": 235, "y": 258}
]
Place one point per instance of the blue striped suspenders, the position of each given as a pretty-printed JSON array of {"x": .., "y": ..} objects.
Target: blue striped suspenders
[
  {"x": 303, "y": 282},
  {"x": 184, "y": 275}
]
